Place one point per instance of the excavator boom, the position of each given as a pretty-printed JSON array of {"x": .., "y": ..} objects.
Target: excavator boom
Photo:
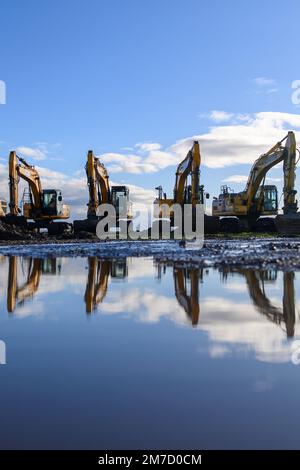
[
  {"x": 98, "y": 183},
  {"x": 19, "y": 168}
]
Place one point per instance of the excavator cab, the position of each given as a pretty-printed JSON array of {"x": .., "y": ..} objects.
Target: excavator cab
[
  {"x": 52, "y": 202},
  {"x": 119, "y": 269},
  {"x": 270, "y": 199},
  {"x": 120, "y": 200}
]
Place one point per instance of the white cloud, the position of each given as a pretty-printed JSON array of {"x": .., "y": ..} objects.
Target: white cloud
[
  {"x": 148, "y": 146},
  {"x": 219, "y": 116},
  {"x": 268, "y": 85},
  {"x": 76, "y": 193},
  {"x": 264, "y": 81},
  {"x": 238, "y": 142},
  {"x": 236, "y": 179},
  {"x": 221, "y": 318},
  {"x": 34, "y": 153},
  {"x": 241, "y": 143},
  {"x": 150, "y": 160},
  {"x": 222, "y": 146},
  {"x": 273, "y": 180},
  {"x": 242, "y": 179}
]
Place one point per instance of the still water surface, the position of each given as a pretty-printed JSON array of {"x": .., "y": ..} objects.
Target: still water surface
[{"x": 131, "y": 353}]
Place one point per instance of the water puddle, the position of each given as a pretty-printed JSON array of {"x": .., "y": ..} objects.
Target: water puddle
[{"x": 115, "y": 352}]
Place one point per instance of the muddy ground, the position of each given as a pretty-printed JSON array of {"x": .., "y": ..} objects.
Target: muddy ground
[
  {"x": 261, "y": 253},
  {"x": 245, "y": 249}
]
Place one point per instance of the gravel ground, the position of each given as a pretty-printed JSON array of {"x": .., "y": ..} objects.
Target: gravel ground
[{"x": 274, "y": 253}]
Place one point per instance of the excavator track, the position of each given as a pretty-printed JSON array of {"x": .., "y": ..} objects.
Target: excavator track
[{"x": 288, "y": 224}]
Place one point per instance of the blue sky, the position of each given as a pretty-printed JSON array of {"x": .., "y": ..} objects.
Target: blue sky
[{"x": 110, "y": 74}]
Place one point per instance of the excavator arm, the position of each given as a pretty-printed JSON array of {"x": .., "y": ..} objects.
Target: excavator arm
[
  {"x": 19, "y": 168},
  {"x": 286, "y": 314},
  {"x": 17, "y": 295},
  {"x": 265, "y": 162},
  {"x": 189, "y": 166},
  {"x": 188, "y": 300},
  {"x": 97, "y": 283},
  {"x": 289, "y": 175},
  {"x": 98, "y": 183}
]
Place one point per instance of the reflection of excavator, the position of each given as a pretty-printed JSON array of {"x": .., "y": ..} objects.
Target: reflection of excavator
[
  {"x": 186, "y": 286},
  {"x": 98, "y": 277},
  {"x": 3, "y": 207},
  {"x": 256, "y": 281},
  {"x": 185, "y": 193},
  {"x": 17, "y": 295},
  {"x": 100, "y": 192},
  {"x": 259, "y": 199},
  {"x": 43, "y": 206},
  {"x": 189, "y": 301}
]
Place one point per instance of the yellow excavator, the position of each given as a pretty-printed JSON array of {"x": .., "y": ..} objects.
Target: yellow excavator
[
  {"x": 242, "y": 210},
  {"x": 100, "y": 192},
  {"x": 186, "y": 192},
  {"x": 41, "y": 207}
]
